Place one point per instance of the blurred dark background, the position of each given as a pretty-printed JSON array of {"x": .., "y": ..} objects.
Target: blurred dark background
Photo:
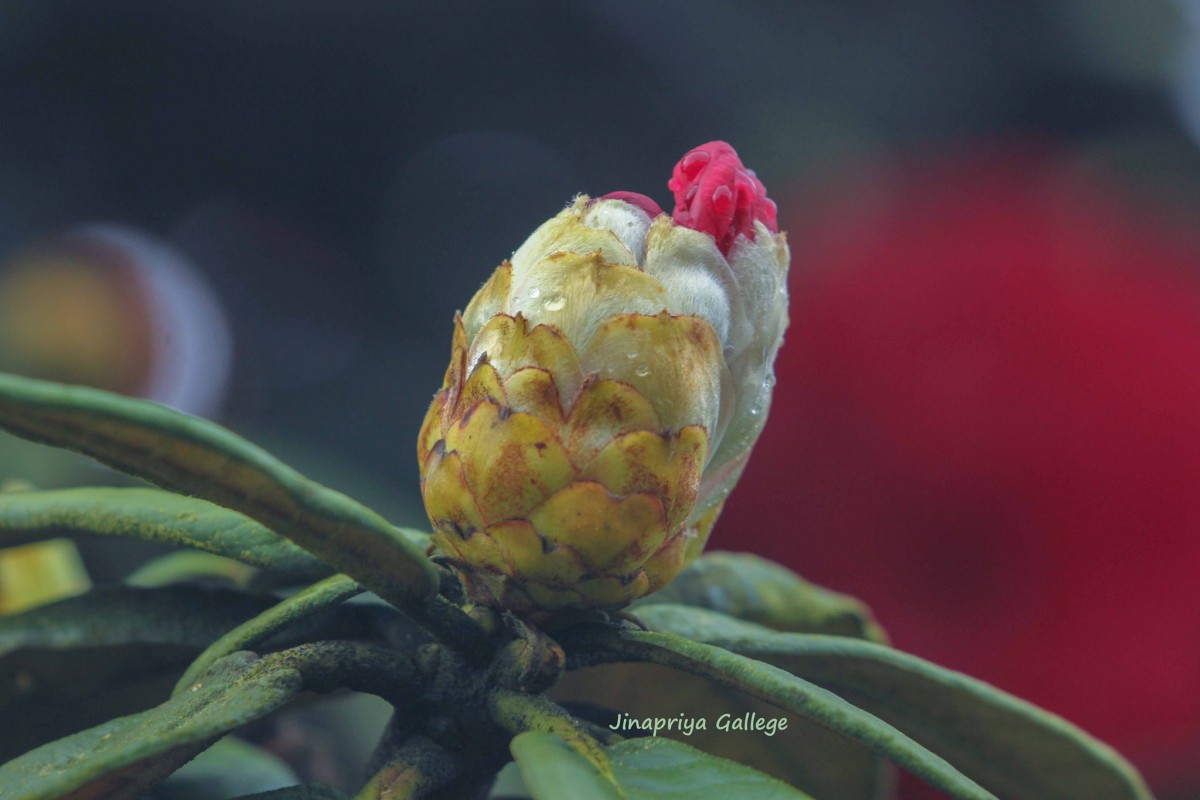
[{"x": 267, "y": 213}]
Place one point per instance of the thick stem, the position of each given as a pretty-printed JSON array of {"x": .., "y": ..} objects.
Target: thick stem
[
  {"x": 416, "y": 770},
  {"x": 328, "y": 666},
  {"x": 315, "y": 598},
  {"x": 516, "y": 713},
  {"x": 531, "y": 662},
  {"x": 454, "y": 628}
]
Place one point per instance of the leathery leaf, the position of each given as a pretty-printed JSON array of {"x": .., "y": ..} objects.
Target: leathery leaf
[
  {"x": 124, "y": 757},
  {"x": 784, "y": 690},
  {"x": 197, "y": 457},
  {"x": 755, "y": 589},
  {"x": 154, "y": 516}
]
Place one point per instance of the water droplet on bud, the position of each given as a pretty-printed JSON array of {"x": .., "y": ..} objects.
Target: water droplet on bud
[
  {"x": 534, "y": 292},
  {"x": 693, "y": 162},
  {"x": 722, "y": 199},
  {"x": 554, "y": 302},
  {"x": 642, "y": 371}
]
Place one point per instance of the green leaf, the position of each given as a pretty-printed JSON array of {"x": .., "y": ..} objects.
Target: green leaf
[
  {"x": 252, "y": 632},
  {"x": 154, "y": 516},
  {"x": 114, "y": 650},
  {"x": 182, "y": 615},
  {"x": 191, "y": 617},
  {"x": 508, "y": 784},
  {"x": 190, "y": 566},
  {"x": 752, "y": 588},
  {"x": 809, "y": 756},
  {"x": 124, "y": 757},
  {"x": 197, "y": 457},
  {"x": 309, "y": 791},
  {"x": 228, "y": 768},
  {"x": 1008, "y": 745},
  {"x": 784, "y": 690},
  {"x": 46, "y": 694},
  {"x": 117, "y": 650},
  {"x": 548, "y": 765},
  {"x": 646, "y": 769},
  {"x": 662, "y": 769}
]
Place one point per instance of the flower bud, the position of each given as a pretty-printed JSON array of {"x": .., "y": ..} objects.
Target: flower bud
[{"x": 604, "y": 390}]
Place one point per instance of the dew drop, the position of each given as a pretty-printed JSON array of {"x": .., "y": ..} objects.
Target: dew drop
[
  {"x": 534, "y": 292},
  {"x": 554, "y": 302},
  {"x": 693, "y": 162},
  {"x": 631, "y": 355},
  {"x": 722, "y": 199},
  {"x": 764, "y": 396},
  {"x": 642, "y": 371}
]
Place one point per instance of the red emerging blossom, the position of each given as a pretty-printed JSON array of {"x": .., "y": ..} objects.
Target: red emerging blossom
[{"x": 717, "y": 195}]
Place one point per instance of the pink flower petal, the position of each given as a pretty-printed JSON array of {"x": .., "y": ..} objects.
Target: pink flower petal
[{"x": 717, "y": 195}]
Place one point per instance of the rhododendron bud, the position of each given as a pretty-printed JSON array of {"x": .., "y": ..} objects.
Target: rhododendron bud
[{"x": 604, "y": 391}]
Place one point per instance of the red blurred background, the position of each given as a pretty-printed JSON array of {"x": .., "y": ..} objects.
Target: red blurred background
[{"x": 987, "y": 425}]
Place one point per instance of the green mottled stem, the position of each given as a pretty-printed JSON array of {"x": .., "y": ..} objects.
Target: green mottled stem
[
  {"x": 781, "y": 689},
  {"x": 517, "y": 712},
  {"x": 315, "y": 598},
  {"x": 602, "y": 734},
  {"x": 453, "y": 627},
  {"x": 331, "y": 665},
  {"x": 416, "y": 770},
  {"x": 125, "y": 757}
]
